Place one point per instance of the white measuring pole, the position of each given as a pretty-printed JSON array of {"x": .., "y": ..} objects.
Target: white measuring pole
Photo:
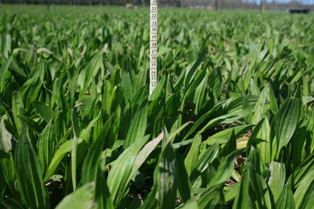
[{"x": 153, "y": 45}]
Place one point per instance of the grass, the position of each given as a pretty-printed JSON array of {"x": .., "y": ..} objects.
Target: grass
[{"x": 230, "y": 124}]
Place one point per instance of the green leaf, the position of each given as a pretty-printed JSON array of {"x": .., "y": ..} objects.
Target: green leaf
[
  {"x": 17, "y": 109},
  {"x": 7, "y": 141},
  {"x": 45, "y": 146},
  {"x": 145, "y": 152},
  {"x": 286, "y": 121},
  {"x": 223, "y": 136},
  {"x": 58, "y": 156},
  {"x": 76, "y": 133},
  {"x": 228, "y": 118},
  {"x": 82, "y": 198},
  {"x": 211, "y": 198},
  {"x": 277, "y": 178},
  {"x": 44, "y": 111},
  {"x": 138, "y": 126},
  {"x": 166, "y": 179},
  {"x": 119, "y": 175},
  {"x": 2, "y": 184},
  {"x": 193, "y": 154},
  {"x": 3, "y": 70},
  {"x": 304, "y": 195},
  {"x": 225, "y": 168},
  {"x": 285, "y": 200},
  {"x": 182, "y": 177},
  {"x": 29, "y": 178},
  {"x": 205, "y": 159},
  {"x": 229, "y": 147},
  {"x": 91, "y": 171}
]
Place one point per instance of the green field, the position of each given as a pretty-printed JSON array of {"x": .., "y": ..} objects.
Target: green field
[{"x": 230, "y": 124}]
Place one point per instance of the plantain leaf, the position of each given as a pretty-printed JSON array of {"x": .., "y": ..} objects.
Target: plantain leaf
[
  {"x": 304, "y": 195},
  {"x": 119, "y": 175},
  {"x": 225, "y": 168},
  {"x": 204, "y": 160},
  {"x": 301, "y": 171},
  {"x": 183, "y": 182},
  {"x": 285, "y": 200},
  {"x": 277, "y": 177},
  {"x": 286, "y": 121},
  {"x": 138, "y": 126},
  {"x": 17, "y": 109},
  {"x": 82, "y": 198},
  {"x": 45, "y": 146},
  {"x": 29, "y": 178},
  {"x": 91, "y": 171},
  {"x": 166, "y": 179},
  {"x": 58, "y": 156},
  {"x": 44, "y": 111},
  {"x": 193, "y": 154}
]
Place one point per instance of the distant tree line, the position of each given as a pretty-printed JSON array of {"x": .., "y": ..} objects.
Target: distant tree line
[{"x": 214, "y": 4}]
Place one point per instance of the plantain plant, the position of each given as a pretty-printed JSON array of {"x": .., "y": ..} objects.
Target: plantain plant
[{"x": 230, "y": 124}]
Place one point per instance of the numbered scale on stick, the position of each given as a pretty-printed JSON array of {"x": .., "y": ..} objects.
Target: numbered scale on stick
[{"x": 153, "y": 45}]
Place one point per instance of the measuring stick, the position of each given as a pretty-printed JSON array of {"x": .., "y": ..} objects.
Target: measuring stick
[{"x": 153, "y": 45}]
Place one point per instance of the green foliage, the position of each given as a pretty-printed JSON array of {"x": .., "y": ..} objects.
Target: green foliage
[{"x": 230, "y": 124}]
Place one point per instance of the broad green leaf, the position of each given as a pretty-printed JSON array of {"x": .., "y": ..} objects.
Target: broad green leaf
[
  {"x": 58, "y": 156},
  {"x": 183, "y": 181},
  {"x": 2, "y": 184},
  {"x": 119, "y": 175},
  {"x": 191, "y": 203},
  {"x": 91, "y": 172},
  {"x": 286, "y": 121},
  {"x": 243, "y": 200},
  {"x": 253, "y": 184},
  {"x": 7, "y": 141},
  {"x": 29, "y": 178},
  {"x": 231, "y": 192},
  {"x": 6, "y": 45},
  {"x": 90, "y": 71},
  {"x": 82, "y": 198},
  {"x": 138, "y": 126},
  {"x": 45, "y": 146},
  {"x": 166, "y": 178},
  {"x": 8, "y": 171},
  {"x": 204, "y": 160},
  {"x": 76, "y": 133},
  {"x": 193, "y": 154},
  {"x": 301, "y": 171},
  {"x": 304, "y": 195},
  {"x": 211, "y": 198},
  {"x": 225, "y": 168},
  {"x": 44, "y": 111},
  {"x": 191, "y": 72},
  {"x": 277, "y": 178},
  {"x": 285, "y": 200},
  {"x": 145, "y": 152},
  {"x": 222, "y": 137},
  {"x": 17, "y": 109},
  {"x": 3, "y": 70},
  {"x": 86, "y": 107},
  {"x": 10, "y": 203},
  {"x": 229, "y": 147},
  {"x": 228, "y": 118}
]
